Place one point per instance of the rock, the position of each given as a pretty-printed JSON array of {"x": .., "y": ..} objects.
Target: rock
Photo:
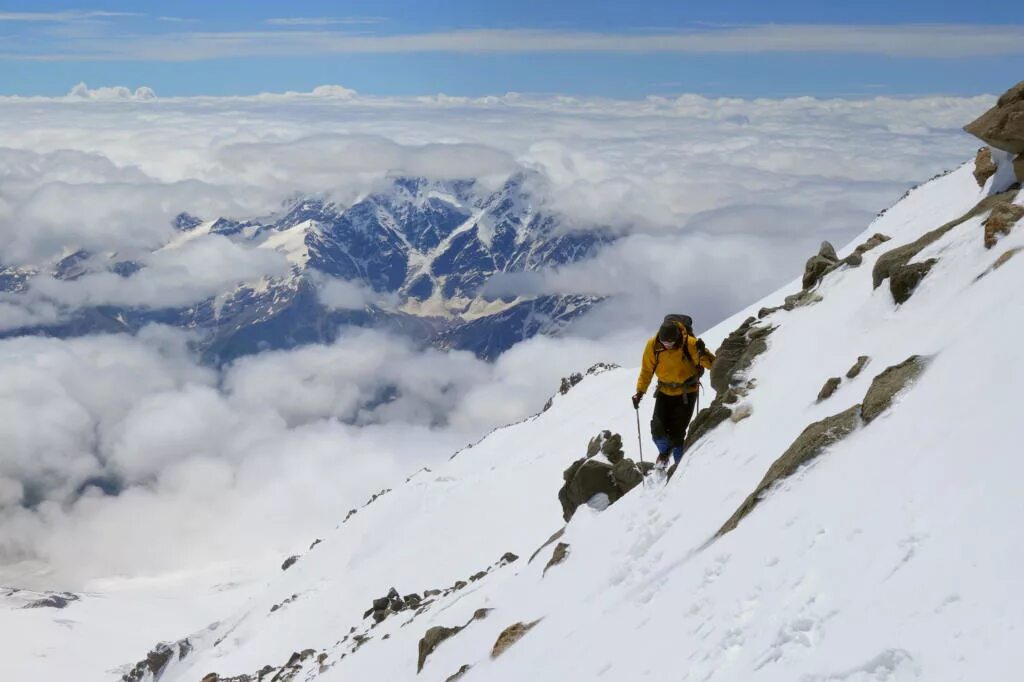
[
  {"x": 289, "y": 562},
  {"x": 829, "y": 388},
  {"x": 1002, "y": 126},
  {"x": 905, "y": 279},
  {"x": 554, "y": 536},
  {"x": 211, "y": 677},
  {"x": 570, "y": 381},
  {"x": 1000, "y": 221},
  {"x": 741, "y": 412},
  {"x": 477, "y": 576},
  {"x": 627, "y": 474},
  {"x": 381, "y": 603},
  {"x": 854, "y": 371},
  {"x": 509, "y": 636},
  {"x": 819, "y": 265},
  {"x": 507, "y": 558},
  {"x": 891, "y": 261},
  {"x": 888, "y": 384},
  {"x": 1018, "y": 167},
  {"x": 557, "y": 557},
  {"x": 315, "y": 543},
  {"x": 801, "y": 299},
  {"x": 412, "y": 600},
  {"x": 765, "y": 312},
  {"x": 481, "y": 614},
  {"x": 808, "y": 445},
  {"x": 379, "y": 615},
  {"x": 588, "y": 478},
  {"x": 737, "y": 352},
  {"x": 459, "y": 584},
  {"x": 431, "y": 640},
  {"x": 984, "y": 166},
  {"x": 1007, "y": 255},
  {"x": 854, "y": 260},
  {"x": 458, "y": 675},
  {"x": 431, "y": 593},
  {"x": 608, "y": 444},
  {"x": 706, "y": 420}
]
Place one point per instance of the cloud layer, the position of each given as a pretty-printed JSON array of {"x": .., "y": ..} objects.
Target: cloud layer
[{"x": 717, "y": 202}]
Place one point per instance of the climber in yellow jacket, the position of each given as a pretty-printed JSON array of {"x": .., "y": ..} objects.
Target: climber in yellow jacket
[{"x": 678, "y": 359}]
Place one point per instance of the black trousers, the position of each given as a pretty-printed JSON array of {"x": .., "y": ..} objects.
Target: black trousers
[{"x": 672, "y": 414}]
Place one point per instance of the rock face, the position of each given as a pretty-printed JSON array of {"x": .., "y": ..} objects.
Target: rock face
[
  {"x": 509, "y": 636},
  {"x": 737, "y": 353},
  {"x": 1000, "y": 221},
  {"x": 1002, "y": 126},
  {"x": 808, "y": 445},
  {"x": 984, "y": 166},
  {"x": 603, "y": 471},
  {"x": 891, "y": 261},
  {"x": 819, "y": 264},
  {"x": 152, "y": 666},
  {"x": 903, "y": 282},
  {"x": 459, "y": 673},
  {"x": 829, "y": 388},
  {"x": 890, "y": 382}
]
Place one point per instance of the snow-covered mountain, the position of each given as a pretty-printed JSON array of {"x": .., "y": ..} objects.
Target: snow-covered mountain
[
  {"x": 420, "y": 250},
  {"x": 847, "y": 509}
]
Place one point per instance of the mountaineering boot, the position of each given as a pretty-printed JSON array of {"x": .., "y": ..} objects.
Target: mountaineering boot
[{"x": 662, "y": 461}]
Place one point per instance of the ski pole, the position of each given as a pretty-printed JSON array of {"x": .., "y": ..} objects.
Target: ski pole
[{"x": 639, "y": 438}]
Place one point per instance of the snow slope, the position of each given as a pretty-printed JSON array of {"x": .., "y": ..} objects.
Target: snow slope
[{"x": 894, "y": 556}]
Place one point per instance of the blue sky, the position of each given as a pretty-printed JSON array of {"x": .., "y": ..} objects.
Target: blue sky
[{"x": 468, "y": 47}]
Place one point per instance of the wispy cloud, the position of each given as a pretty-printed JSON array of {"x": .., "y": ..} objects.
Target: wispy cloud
[
  {"x": 69, "y": 15},
  {"x": 912, "y": 41},
  {"x": 323, "y": 21}
]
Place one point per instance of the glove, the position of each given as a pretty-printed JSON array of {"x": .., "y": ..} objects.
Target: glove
[{"x": 636, "y": 400}]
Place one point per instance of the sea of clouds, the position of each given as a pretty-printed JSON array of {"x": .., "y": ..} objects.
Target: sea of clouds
[{"x": 123, "y": 455}]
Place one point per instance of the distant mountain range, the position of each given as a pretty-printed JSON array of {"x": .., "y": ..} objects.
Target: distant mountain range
[{"x": 423, "y": 248}]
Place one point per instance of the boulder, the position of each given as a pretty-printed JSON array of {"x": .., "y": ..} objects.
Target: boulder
[
  {"x": 289, "y": 562},
  {"x": 588, "y": 478},
  {"x": 508, "y": 558},
  {"x": 854, "y": 371},
  {"x": 554, "y": 536},
  {"x": 1018, "y": 167},
  {"x": 888, "y": 384},
  {"x": 509, "y": 636},
  {"x": 737, "y": 352},
  {"x": 431, "y": 639},
  {"x": 808, "y": 445},
  {"x": 591, "y": 479},
  {"x": 706, "y": 419},
  {"x": 829, "y": 388},
  {"x": 984, "y": 166},
  {"x": 1002, "y": 126},
  {"x": 819, "y": 265},
  {"x": 741, "y": 412},
  {"x": 903, "y": 282},
  {"x": 608, "y": 444},
  {"x": 627, "y": 474},
  {"x": 557, "y": 557},
  {"x": 800, "y": 299},
  {"x": 1000, "y": 221}
]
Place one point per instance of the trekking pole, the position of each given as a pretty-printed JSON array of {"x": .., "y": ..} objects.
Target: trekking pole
[{"x": 639, "y": 438}]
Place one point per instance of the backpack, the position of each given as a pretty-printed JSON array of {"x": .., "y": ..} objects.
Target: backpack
[{"x": 685, "y": 322}]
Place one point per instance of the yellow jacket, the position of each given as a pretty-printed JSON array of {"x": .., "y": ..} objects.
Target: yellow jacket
[{"x": 673, "y": 366}]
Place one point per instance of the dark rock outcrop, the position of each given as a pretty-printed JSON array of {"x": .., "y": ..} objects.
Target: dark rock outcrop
[
  {"x": 829, "y": 388},
  {"x": 53, "y": 601},
  {"x": 156, "y": 660},
  {"x": 819, "y": 264},
  {"x": 888, "y": 384},
  {"x": 554, "y": 536},
  {"x": 891, "y": 261},
  {"x": 854, "y": 371},
  {"x": 289, "y": 562},
  {"x": 737, "y": 352},
  {"x": 808, "y": 445},
  {"x": 509, "y": 636},
  {"x": 590, "y": 476},
  {"x": 984, "y": 166},
  {"x": 904, "y": 280},
  {"x": 459, "y": 673},
  {"x": 1002, "y": 126},
  {"x": 1000, "y": 221},
  {"x": 431, "y": 640},
  {"x": 558, "y": 556}
]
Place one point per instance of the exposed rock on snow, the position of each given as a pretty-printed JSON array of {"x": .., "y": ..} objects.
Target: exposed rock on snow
[
  {"x": 509, "y": 636},
  {"x": 458, "y": 675},
  {"x": 558, "y": 556},
  {"x": 891, "y": 261},
  {"x": 554, "y": 536},
  {"x": 808, "y": 445},
  {"x": 888, "y": 384},
  {"x": 53, "y": 601},
  {"x": 984, "y": 166},
  {"x": 904, "y": 280},
  {"x": 432, "y": 639},
  {"x": 737, "y": 352},
  {"x": 156, "y": 660},
  {"x": 595, "y": 474},
  {"x": 1002, "y": 126},
  {"x": 829, "y": 388},
  {"x": 289, "y": 562},
  {"x": 819, "y": 264},
  {"x": 1000, "y": 221},
  {"x": 854, "y": 371}
]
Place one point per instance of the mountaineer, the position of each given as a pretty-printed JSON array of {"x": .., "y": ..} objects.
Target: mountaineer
[{"x": 678, "y": 359}]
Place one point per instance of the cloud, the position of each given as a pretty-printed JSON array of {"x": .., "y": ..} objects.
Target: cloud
[
  {"x": 116, "y": 442},
  {"x": 82, "y": 91},
  {"x": 65, "y": 16},
  {"x": 323, "y": 21},
  {"x": 935, "y": 41}
]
